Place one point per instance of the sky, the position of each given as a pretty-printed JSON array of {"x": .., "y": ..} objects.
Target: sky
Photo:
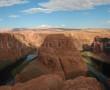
[{"x": 55, "y": 13}]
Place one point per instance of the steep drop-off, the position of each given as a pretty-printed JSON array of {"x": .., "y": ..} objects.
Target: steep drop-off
[{"x": 57, "y": 55}]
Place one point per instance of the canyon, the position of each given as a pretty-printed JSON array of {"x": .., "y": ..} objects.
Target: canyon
[{"x": 59, "y": 65}]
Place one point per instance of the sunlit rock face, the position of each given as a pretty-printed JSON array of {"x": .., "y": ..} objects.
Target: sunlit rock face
[
  {"x": 63, "y": 48},
  {"x": 55, "y": 82},
  {"x": 15, "y": 44},
  {"x": 82, "y": 83},
  {"x": 12, "y": 47},
  {"x": 58, "y": 55}
]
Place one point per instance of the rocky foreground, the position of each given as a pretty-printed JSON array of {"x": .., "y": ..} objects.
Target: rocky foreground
[{"x": 59, "y": 65}]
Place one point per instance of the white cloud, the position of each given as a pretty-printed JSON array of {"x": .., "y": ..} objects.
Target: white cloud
[
  {"x": 5, "y": 3},
  {"x": 62, "y": 25},
  {"x": 44, "y": 26},
  {"x": 73, "y": 4},
  {"x": 35, "y": 10},
  {"x": 50, "y": 26},
  {"x": 66, "y": 5},
  {"x": 14, "y": 16}
]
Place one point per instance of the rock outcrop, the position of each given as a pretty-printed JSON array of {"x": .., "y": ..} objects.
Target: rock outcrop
[
  {"x": 12, "y": 47},
  {"x": 82, "y": 83},
  {"x": 45, "y": 82},
  {"x": 87, "y": 36},
  {"x": 57, "y": 55},
  {"x": 55, "y": 82}
]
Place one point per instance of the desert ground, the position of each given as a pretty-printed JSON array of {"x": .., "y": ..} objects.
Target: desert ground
[{"x": 59, "y": 65}]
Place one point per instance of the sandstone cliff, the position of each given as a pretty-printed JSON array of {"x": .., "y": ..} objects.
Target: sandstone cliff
[
  {"x": 59, "y": 55},
  {"x": 55, "y": 82}
]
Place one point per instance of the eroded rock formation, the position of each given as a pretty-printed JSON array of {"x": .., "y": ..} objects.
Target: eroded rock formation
[
  {"x": 55, "y": 82},
  {"x": 82, "y": 83},
  {"x": 11, "y": 47},
  {"x": 57, "y": 55}
]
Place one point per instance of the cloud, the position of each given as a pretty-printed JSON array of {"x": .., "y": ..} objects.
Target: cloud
[
  {"x": 66, "y": 5},
  {"x": 55, "y": 5},
  {"x": 14, "y": 16},
  {"x": 63, "y": 25},
  {"x": 50, "y": 26},
  {"x": 35, "y": 10},
  {"x": 6, "y": 3},
  {"x": 44, "y": 26}
]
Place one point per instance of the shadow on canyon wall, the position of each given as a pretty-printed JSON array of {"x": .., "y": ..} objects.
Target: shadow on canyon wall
[{"x": 57, "y": 55}]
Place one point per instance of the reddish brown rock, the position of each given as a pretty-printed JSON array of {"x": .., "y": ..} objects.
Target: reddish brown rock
[
  {"x": 55, "y": 82},
  {"x": 63, "y": 47},
  {"x": 82, "y": 83},
  {"x": 46, "y": 82},
  {"x": 86, "y": 36},
  {"x": 57, "y": 55},
  {"x": 11, "y": 47},
  {"x": 5, "y": 87}
]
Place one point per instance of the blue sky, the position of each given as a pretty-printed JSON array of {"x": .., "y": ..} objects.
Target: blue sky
[{"x": 55, "y": 13}]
